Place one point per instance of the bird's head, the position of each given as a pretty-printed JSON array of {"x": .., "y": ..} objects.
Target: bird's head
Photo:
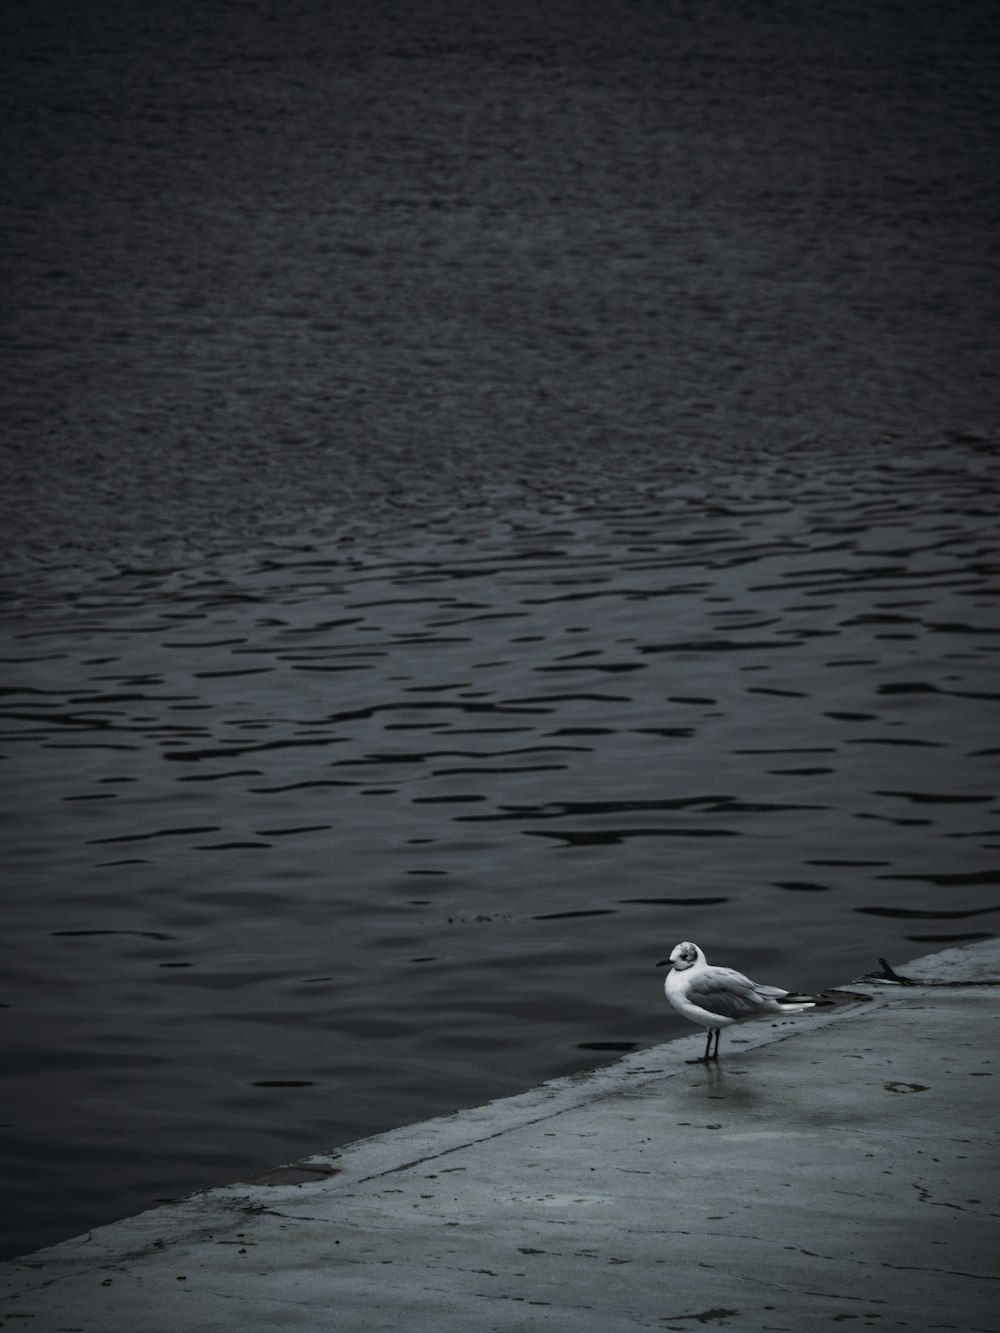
[{"x": 683, "y": 956}]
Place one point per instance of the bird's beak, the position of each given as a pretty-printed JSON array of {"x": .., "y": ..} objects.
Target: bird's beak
[{"x": 664, "y": 962}]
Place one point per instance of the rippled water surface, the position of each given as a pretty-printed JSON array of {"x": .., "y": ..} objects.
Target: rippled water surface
[{"x": 328, "y": 836}]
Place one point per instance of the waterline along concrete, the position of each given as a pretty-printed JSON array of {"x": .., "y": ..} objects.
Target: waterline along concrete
[{"x": 834, "y": 1167}]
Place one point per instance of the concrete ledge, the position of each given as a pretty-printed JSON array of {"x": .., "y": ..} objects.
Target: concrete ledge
[{"x": 837, "y": 1166}]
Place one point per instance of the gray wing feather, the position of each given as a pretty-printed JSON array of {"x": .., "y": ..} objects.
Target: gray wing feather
[{"x": 728, "y": 994}]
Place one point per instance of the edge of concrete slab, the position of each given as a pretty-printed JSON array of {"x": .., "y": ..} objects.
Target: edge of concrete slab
[{"x": 215, "y": 1212}]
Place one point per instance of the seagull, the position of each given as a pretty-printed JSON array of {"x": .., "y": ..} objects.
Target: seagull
[{"x": 716, "y": 997}]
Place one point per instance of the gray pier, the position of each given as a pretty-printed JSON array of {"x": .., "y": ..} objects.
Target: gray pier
[{"x": 835, "y": 1168}]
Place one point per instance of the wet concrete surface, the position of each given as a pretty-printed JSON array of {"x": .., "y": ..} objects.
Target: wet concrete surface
[{"x": 834, "y": 1168}]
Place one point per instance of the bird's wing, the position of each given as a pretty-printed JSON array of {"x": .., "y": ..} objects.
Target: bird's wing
[{"x": 728, "y": 994}]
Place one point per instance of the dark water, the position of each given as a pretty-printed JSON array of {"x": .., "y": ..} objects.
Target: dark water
[{"x": 328, "y": 836}]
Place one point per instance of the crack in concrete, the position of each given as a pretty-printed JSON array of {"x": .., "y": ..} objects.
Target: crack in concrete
[
  {"x": 706, "y": 1316},
  {"x": 944, "y": 1272},
  {"x": 471, "y": 1143}
]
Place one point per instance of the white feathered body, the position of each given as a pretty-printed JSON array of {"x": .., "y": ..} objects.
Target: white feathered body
[{"x": 718, "y": 997}]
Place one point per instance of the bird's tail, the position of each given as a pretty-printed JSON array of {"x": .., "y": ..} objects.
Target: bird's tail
[
  {"x": 795, "y": 1003},
  {"x": 791, "y": 1001}
]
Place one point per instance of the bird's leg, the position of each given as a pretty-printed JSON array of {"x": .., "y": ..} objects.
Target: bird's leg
[
  {"x": 709, "y": 1053},
  {"x": 704, "y": 1059}
]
